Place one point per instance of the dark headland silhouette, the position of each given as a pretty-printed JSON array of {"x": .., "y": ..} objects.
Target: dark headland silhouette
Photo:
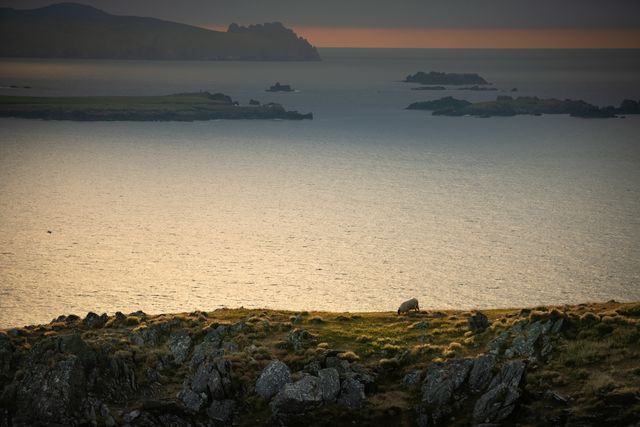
[{"x": 70, "y": 30}]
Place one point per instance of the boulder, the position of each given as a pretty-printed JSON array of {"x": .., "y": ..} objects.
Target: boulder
[
  {"x": 478, "y": 322},
  {"x": 352, "y": 393},
  {"x": 179, "y": 345},
  {"x": 329, "y": 383},
  {"x": 146, "y": 335},
  {"x": 273, "y": 377},
  {"x": 298, "y": 397},
  {"x": 191, "y": 400}
]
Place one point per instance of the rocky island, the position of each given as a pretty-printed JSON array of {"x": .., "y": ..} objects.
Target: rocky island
[
  {"x": 177, "y": 107},
  {"x": 71, "y": 30},
  {"x": 509, "y": 106},
  {"x": 439, "y": 78},
  {"x": 280, "y": 88},
  {"x": 575, "y": 365}
]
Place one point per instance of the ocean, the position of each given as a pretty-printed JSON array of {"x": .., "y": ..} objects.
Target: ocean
[{"x": 363, "y": 207}]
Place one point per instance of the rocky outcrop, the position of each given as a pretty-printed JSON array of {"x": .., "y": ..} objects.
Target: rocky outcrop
[{"x": 272, "y": 379}]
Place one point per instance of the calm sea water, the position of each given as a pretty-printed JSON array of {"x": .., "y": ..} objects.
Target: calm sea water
[{"x": 359, "y": 209}]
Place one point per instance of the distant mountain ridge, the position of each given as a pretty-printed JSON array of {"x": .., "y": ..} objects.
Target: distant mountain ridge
[{"x": 71, "y": 30}]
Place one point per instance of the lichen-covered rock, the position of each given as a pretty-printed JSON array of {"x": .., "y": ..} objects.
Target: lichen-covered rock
[
  {"x": 510, "y": 374},
  {"x": 179, "y": 345},
  {"x": 295, "y": 398},
  {"x": 524, "y": 344},
  {"x": 329, "y": 383},
  {"x": 300, "y": 339},
  {"x": 273, "y": 377},
  {"x": 146, "y": 335},
  {"x": 52, "y": 394},
  {"x": 192, "y": 400},
  {"x": 497, "y": 344},
  {"x": 496, "y": 404},
  {"x": 352, "y": 394},
  {"x": 481, "y": 373},
  {"x": 443, "y": 379},
  {"x": 499, "y": 401},
  {"x": 478, "y": 322},
  {"x": 210, "y": 381}
]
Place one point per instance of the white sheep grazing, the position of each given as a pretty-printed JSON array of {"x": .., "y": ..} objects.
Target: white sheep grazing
[{"x": 411, "y": 304}]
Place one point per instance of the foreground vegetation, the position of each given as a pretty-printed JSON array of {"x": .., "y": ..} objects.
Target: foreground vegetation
[
  {"x": 178, "y": 107},
  {"x": 579, "y": 365}
]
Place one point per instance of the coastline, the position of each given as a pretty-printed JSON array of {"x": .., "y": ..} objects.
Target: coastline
[{"x": 444, "y": 367}]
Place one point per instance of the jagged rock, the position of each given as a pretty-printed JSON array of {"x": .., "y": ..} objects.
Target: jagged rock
[
  {"x": 481, "y": 373},
  {"x": 510, "y": 374},
  {"x": 329, "y": 383},
  {"x": 179, "y": 345},
  {"x": 412, "y": 378},
  {"x": 478, "y": 322},
  {"x": 222, "y": 411},
  {"x": 524, "y": 343},
  {"x": 300, "y": 339},
  {"x": 496, "y": 345},
  {"x": 92, "y": 320},
  {"x": 496, "y": 404},
  {"x": 146, "y": 335},
  {"x": 273, "y": 377},
  {"x": 118, "y": 380},
  {"x": 205, "y": 349},
  {"x": 211, "y": 380},
  {"x": 298, "y": 397},
  {"x": 351, "y": 393},
  {"x": 443, "y": 379},
  {"x": 52, "y": 394},
  {"x": 192, "y": 401}
]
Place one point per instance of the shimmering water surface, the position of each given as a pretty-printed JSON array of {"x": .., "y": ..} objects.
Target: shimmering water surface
[{"x": 359, "y": 209}]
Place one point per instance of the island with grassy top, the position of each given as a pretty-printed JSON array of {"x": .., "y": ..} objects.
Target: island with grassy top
[
  {"x": 440, "y": 78},
  {"x": 509, "y": 106},
  {"x": 574, "y": 365},
  {"x": 177, "y": 107}
]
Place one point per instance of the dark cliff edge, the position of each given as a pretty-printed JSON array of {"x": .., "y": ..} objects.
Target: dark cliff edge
[
  {"x": 509, "y": 106},
  {"x": 179, "y": 107},
  {"x": 573, "y": 365},
  {"x": 70, "y": 30}
]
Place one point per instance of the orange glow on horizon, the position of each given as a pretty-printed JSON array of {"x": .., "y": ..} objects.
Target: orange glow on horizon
[{"x": 463, "y": 38}]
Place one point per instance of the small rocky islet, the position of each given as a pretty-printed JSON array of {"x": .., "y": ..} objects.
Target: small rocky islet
[
  {"x": 565, "y": 365},
  {"x": 441, "y": 78}
]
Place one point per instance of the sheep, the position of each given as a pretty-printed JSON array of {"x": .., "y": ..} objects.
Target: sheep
[{"x": 411, "y": 304}]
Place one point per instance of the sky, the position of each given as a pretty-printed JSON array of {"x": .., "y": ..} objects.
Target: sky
[{"x": 407, "y": 23}]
